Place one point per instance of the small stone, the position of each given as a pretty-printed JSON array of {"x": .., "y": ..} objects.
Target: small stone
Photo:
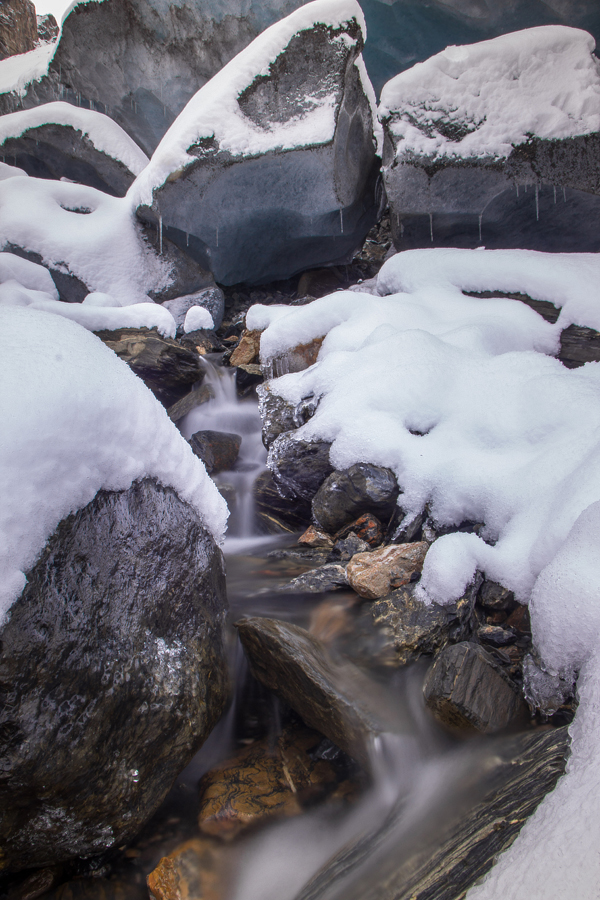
[
  {"x": 330, "y": 577},
  {"x": 465, "y": 689},
  {"x": 496, "y": 635},
  {"x": 375, "y": 574},
  {"x": 218, "y": 450},
  {"x": 493, "y": 596},
  {"x": 314, "y": 537},
  {"x": 247, "y": 350},
  {"x": 366, "y": 527},
  {"x": 345, "y": 548},
  {"x": 196, "y": 397}
]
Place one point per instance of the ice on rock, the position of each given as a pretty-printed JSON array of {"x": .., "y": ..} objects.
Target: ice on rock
[
  {"x": 77, "y": 420},
  {"x": 271, "y": 168}
]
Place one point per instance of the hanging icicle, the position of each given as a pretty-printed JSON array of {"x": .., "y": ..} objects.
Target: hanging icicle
[
  {"x": 341, "y": 220},
  {"x": 187, "y": 239},
  {"x": 217, "y": 235},
  {"x": 565, "y": 194},
  {"x": 431, "y": 227},
  {"x": 554, "y": 195},
  {"x": 537, "y": 203},
  {"x": 160, "y": 235},
  {"x": 480, "y": 221},
  {"x": 517, "y": 186}
]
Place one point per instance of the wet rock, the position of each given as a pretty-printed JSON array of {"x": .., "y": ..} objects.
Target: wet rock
[
  {"x": 375, "y": 574},
  {"x": 313, "y": 537},
  {"x": 247, "y": 378},
  {"x": 47, "y": 27},
  {"x": 262, "y": 782},
  {"x": 496, "y": 635},
  {"x": 347, "y": 547},
  {"x": 493, "y": 596},
  {"x": 203, "y": 341},
  {"x": 336, "y": 699},
  {"x": 346, "y": 495},
  {"x": 218, "y": 450},
  {"x": 579, "y": 345},
  {"x": 299, "y": 467},
  {"x": 407, "y": 528},
  {"x": 115, "y": 642},
  {"x": 412, "y": 627},
  {"x": 332, "y": 619},
  {"x": 296, "y": 359},
  {"x": 270, "y": 504},
  {"x": 38, "y": 883},
  {"x": 465, "y": 689},
  {"x": 195, "y": 870},
  {"x": 247, "y": 350},
  {"x": 210, "y": 298},
  {"x": 330, "y": 577},
  {"x": 164, "y": 365},
  {"x": 96, "y": 889},
  {"x": 367, "y": 528},
  {"x": 278, "y": 200},
  {"x": 276, "y": 413},
  {"x": 443, "y": 856},
  {"x": 519, "y": 619},
  {"x": 18, "y": 27},
  {"x": 543, "y": 691},
  {"x": 199, "y": 394}
]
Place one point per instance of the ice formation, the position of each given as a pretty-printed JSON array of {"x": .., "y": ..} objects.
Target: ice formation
[
  {"x": 481, "y": 99},
  {"x": 77, "y": 420}
]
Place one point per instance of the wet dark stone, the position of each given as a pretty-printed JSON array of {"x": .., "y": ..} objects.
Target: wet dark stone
[
  {"x": 345, "y": 548},
  {"x": 336, "y": 699},
  {"x": 494, "y": 596},
  {"x": 112, "y": 672},
  {"x": 218, "y": 450},
  {"x": 496, "y": 635},
  {"x": 367, "y": 528},
  {"x": 247, "y": 377},
  {"x": 465, "y": 689},
  {"x": 330, "y": 577},
  {"x": 345, "y": 495},
  {"x": 299, "y": 467},
  {"x": 579, "y": 345},
  {"x": 440, "y": 858},
  {"x": 200, "y": 393},
  {"x": 276, "y": 413},
  {"x": 293, "y": 513}
]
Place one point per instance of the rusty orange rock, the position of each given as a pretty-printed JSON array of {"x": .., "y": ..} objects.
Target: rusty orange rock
[
  {"x": 247, "y": 350},
  {"x": 195, "y": 870},
  {"x": 297, "y": 358},
  {"x": 314, "y": 537},
  {"x": 375, "y": 574}
]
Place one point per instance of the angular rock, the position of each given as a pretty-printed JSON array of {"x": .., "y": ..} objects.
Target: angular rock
[
  {"x": 296, "y": 359},
  {"x": 298, "y": 195},
  {"x": 367, "y": 528},
  {"x": 278, "y": 513},
  {"x": 247, "y": 350},
  {"x": 375, "y": 574},
  {"x": 210, "y": 298},
  {"x": 218, "y": 450},
  {"x": 18, "y": 27},
  {"x": 200, "y": 393},
  {"x": 334, "y": 698},
  {"x": 247, "y": 378},
  {"x": 164, "y": 365},
  {"x": 330, "y": 577},
  {"x": 203, "y": 341},
  {"x": 496, "y": 635},
  {"x": 466, "y": 690},
  {"x": 48, "y": 29},
  {"x": 58, "y": 140},
  {"x": 413, "y": 628},
  {"x": 345, "y": 495},
  {"x": 579, "y": 345},
  {"x": 116, "y": 641},
  {"x": 494, "y": 596},
  {"x": 347, "y": 547},
  {"x": 276, "y": 413},
  {"x": 312, "y": 537},
  {"x": 299, "y": 467}
]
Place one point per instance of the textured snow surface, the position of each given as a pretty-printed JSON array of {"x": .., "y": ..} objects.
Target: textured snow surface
[
  {"x": 542, "y": 81},
  {"x": 75, "y": 419},
  {"x": 197, "y": 317},
  {"x": 17, "y": 72},
  {"x": 214, "y": 112},
  {"x": 79, "y": 229},
  {"x": 105, "y": 135},
  {"x": 455, "y": 395}
]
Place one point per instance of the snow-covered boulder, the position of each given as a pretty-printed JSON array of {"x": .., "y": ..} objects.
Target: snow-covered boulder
[
  {"x": 93, "y": 243},
  {"x": 58, "y": 140},
  {"x": 271, "y": 168},
  {"x": 470, "y": 130},
  {"x": 113, "y": 598}
]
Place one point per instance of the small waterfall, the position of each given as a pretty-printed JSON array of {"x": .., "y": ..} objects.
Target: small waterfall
[{"x": 227, "y": 412}]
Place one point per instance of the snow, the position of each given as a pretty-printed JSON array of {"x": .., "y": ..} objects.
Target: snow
[
  {"x": 103, "y": 132},
  {"x": 75, "y": 420},
  {"x": 214, "y": 112},
  {"x": 79, "y": 229},
  {"x": 27, "y": 274},
  {"x": 17, "y": 72},
  {"x": 456, "y": 395},
  {"x": 542, "y": 81},
  {"x": 197, "y": 317},
  {"x": 7, "y": 171}
]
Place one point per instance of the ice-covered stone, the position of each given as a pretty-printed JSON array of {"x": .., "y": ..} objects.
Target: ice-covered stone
[{"x": 272, "y": 166}]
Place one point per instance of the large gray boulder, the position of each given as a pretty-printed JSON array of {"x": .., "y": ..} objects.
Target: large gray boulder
[
  {"x": 480, "y": 149},
  {"x": 112, "y": 673},
  {"x": 272, "y": 166}
]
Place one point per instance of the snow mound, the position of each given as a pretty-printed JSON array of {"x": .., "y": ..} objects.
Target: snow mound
[
  {"x": 197, "y": 317},
  {"x": 83, "y": 231},
  {"x": 77, "y": 420},
  {"x": 481, "y": 99},
  {"x": 17, "y": 72},
  {"x": 214, "y": 115},
  {"x": 7, "y": 171},
  {"x": 27, "y": 274},
  {"x": 103, "y": 132}
]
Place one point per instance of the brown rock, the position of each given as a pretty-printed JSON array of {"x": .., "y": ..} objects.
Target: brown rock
[
  {"x": 314, "y": 537},
  {"x": 218, "y": 450},
  {"x": 366, "y": 527},
  {"x": 375, "y": 574},
  {"x": 519, "y": 619},
  {"x": 196, "y": 870},
  {"x": 18, "y": 27},
  {"x": 297, "y": 359},
  {"x": 247, "y": 350},
  {"x": 196, "y": 397},
  {"x": 332, "y": 619}
]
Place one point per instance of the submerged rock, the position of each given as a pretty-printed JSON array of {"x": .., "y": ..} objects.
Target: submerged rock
[
  {"x": 376, "y": 573},
  {"x": 345, "y": 495},
  {"x": 285, "y": 133},
  {"x": 466, "y": 689},
  {"x": 114, "y": 673}
]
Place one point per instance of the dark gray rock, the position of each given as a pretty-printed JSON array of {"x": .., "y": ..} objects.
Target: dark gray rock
[
  {"x": 465, "y": 689},
  {"x": 579, "y": 345},
  {"x": 334, "y": 698},
  {"x": 112, "y": 672},
  {"x": 18, "y": 27},
  {"x": 276, "y": 413},
  {"x": 480, "y": 812},
  {"x": 218, "y": 450},
  {"x": 496, "y": 635},
  {"x": 60, "y": 151},
  {"x": 70, "y": 288},
  {"x": 287, "y": 210},
  {"x": 345, "y": 547},
  {"x": 275, "y": 512},
  {"x": 494, "y": 596},
  {"x": 165, "y": 366},
  {"x": 299, "y": 467},
  {"x": 346, "y": 495},
  {"x": 200, "y": 393},
  {"x": 330, "y": 577}
]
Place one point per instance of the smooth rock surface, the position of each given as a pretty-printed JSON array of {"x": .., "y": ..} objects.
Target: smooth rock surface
[
  {"x": 466, "y": 689},
  {"x": 218, "y": 450},
  {"x": 375, "y": 574},
  {"x": 299, "y": 467},
  {"x": 113, "y": 673},
  {"x": 200, "y": 393},
  {"x": 345, "y": 495}
]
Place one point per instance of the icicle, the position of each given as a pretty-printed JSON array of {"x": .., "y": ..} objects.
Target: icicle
[
  {"x": 187, "y": 239},
  {"x": 565, "y": 194},
  {"x": 341, "y": 220},
  {"x": 525, "y": 188},
  {"x": 537, "y": 203},
  {"x": 555, "y": 195},
  {"x": 480, "y": 220},
  {"x": 401, "y": 230},
  {"x": 517, "y": 192},
  {"x": 431, "y": 226},
  {"x": 160, "y": 235},
  {"x": 217, "y": 235}
]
